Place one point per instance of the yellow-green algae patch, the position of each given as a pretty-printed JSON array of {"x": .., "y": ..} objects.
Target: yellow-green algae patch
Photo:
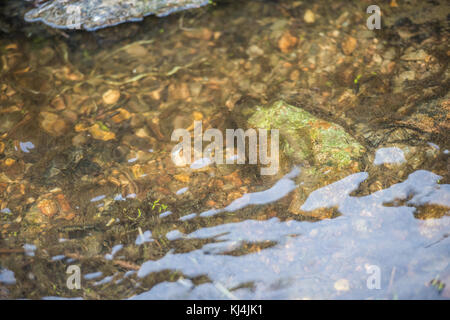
[{"x": 308, "y": 138}]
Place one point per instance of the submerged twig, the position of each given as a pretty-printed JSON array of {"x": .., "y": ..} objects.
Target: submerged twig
[
  {"x": 126, "y": 47},
  {"x": 138, "y": 77},
  {"x": 120, "y": 263},
  {"x": 10, "y": 251},
  {"x": 135, "y": 78},
  {"x": 180, "y": 24}
]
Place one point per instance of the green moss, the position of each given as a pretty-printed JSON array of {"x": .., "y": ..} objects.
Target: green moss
[{"x": 307, "y": 137}]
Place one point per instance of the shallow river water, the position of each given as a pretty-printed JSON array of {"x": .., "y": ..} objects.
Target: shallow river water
[{"x": 88, "y": 181}]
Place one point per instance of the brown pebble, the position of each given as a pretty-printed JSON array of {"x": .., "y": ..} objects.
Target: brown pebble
[
  {"x": 59, "y": 127},
  {"x": 58, "y": 103},
  {"x": 48, "y": 207},
  {"x": 349, "y": 45},
  {"x": 211, "y": 203},
  {"x": 182, "y": 177},
  {"x": 79, "y": 140},
  {"x": 99, "y": 134},
  {"x": 111, "y": 96},
  {"x": 65, "y": 206},
  {"x": 9, "y": 162},
  {"x": 69, "y": 216},
  {"x": 53, "y": 124},
  {"x": 74, "y": 76},
  {"x": 121, "y": 116},
  {"x": 234, "y": 178},
  {"x": 287, "y": 42},
  {"x": 137, "y": 50},
  {"x": 203, "y": 34},
  {"x": 233, "y": 196},
  {"x": 295, "y": 75},
  {"x": 309, "y": 16}
]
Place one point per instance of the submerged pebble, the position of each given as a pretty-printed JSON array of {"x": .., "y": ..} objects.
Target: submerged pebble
[
  {"x": 309, "y": 16},
  {"x": 111, "y": 96}
]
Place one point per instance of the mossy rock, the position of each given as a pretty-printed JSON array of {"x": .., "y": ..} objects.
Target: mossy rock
[
  {"x": 324, "y": 150},
  {"x": 320, "y": 143}
]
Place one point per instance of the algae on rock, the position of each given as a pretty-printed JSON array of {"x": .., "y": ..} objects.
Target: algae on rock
[
  {"x": 324, "y": 150},
  {"x": 306, "y": 137}
]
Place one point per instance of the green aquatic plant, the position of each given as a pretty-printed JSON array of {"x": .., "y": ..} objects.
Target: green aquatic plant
[
  {"x": 102, "y": 126},
  {"x": 137, "y": 217},
  {"x": 355, "y": 81},
  {"x": 437, "y": 284},
  {"x": 158, "y": 206}
]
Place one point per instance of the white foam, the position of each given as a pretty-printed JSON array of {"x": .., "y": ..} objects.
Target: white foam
[
  {"x": 389, "y": 155},
  {"x": 182, "y": 190},
  {"x": 145, "y": 237},
  {"x": 7, "y": 276}
]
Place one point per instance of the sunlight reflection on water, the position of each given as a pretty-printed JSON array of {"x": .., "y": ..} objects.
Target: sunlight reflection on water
[{"x": 307, "y": 265}]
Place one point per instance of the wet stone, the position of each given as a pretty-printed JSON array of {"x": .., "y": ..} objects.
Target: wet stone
[
  {"x": 349, "y": 45},
  {"x": 48, "y": 207},
  {"x": 324, "y": 150},
  {"x": 309, "y": 16},
  {"x": 53, "y": 124},
  {"x": 98, "y": 14},
  {"x": 100, "y": 132},
  {"x": 287, "y": 42},
  {"x": 111, "y": 96},
  {"x": 307, "y": 137}
]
